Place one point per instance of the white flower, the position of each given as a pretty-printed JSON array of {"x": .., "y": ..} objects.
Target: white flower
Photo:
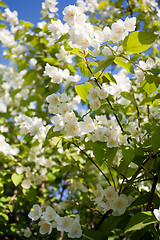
[
  {"x": 107, "y": 51},
  {"x": 26, "y": 184},
  {"x": 99, "y": 194},
  {"x": 119, "y": 205},
  {"x": 53, "y": 99},
  {"x": 130, "y": 24},
  {"x": 93, "y": 93},
  {"x": 73, "y": 128},
  {"x": 70, "y": 14},
  {"x": 49, "y": 214},
  {"x": 27, "y": 232},
  {"x": 58, "y": 122},
  {"x": 45, "y": 227},
  {"x": 102, "y": 94},
  {"x": 87, "y": 125},
  {"x": 103, "y": 206},
  {"x": 75, "y": 230},
  {"x": 33, "y": 62},
  {"x": 95, "y": 104},
  {"x": 110, "y": 193},
  {"x": 69, "y": 116},
  {"x": 63, "y": 108},
  {"x": 112, "y": 142},
  {"x": 36, "y": 213},
  {"x": 11, "y": 16},
  {"x": 64, "y": 223},
  {"x": 157, "y": 213},
  {"x": 19, "y": 170},
  {"x": 101, "y": 133},
  {"x": 117, "y": 31},
  {"x": 139, "y": 75}
]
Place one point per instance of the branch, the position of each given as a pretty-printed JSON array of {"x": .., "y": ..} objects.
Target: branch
[
  {"x": 92, "y": 162},
  {"x": 99, "y": 85},
  {"x": 130, "y": 9},
  {"x": 155, "y": 180},
  {"x": 138, "y": 114}
]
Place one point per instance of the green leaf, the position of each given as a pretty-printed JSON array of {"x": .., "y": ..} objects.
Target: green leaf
[
  {"x": 99, "y": 150},
  {"x": 155, "y": 71},
  {"x": 137, "y": 42},
  {"x": 109, "y": 77},
  {"x": 140, "y": 220},
  {"x": 2, "y": 4},
  {"x": 84, "y": 69},
  {"x": 128, "y": 154},
  {"x": 78, "y": 52},
  {"x": 126, "y": 65},
  {"x": 26, "y": 24},
  {"x": 155, "y": 139},
  {"x": 2, "y": 25},
  {"x": 63, "y": 37},
  {"x": 50, "y": 135},
  {"x": 128, "y": 96},
  {"x": 110, "y": 155},
  {"x": 82, "y": 90},
  {"x": 104, "y": 64},
  {"x": 102, "y": 5},
  {"x": 149, "y": 84},
  {"x": 16, "y": 178},
  {"x": 2, "y": 17},
  {"x": 51, "y": 61},
  {"x": 29, "y": 76},
  {"x": 30, "y": 195},
  {"x": 51, "y": 177}
]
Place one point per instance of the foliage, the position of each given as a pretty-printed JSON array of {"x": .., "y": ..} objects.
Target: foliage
[{"x": 80, "y": 122}]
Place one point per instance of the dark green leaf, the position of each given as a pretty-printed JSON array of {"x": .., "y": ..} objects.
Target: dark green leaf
[
  {"x": 140, "y": 220},
  {"x": 104, "y": 64}
]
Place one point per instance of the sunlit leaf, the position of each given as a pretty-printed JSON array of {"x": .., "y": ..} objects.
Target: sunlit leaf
[{"x": 137, "y": 42}]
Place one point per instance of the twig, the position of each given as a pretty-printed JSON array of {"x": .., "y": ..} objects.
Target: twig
[
  {"x": 138, "y": 114},
  {"x": 130, "y": 9},
  {"x": 155, "y": 180},
  {"x": 92, "y": 162}
]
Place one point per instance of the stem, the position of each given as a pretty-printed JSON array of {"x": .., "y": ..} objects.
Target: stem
[
  {"x": 123, "y": 181},
  {"x": 87, "y": 237},
  {"x": 152, "y": 76},
  {"x": 155, "y": 180},
  {"x": 138, "y": 114},
  {"x": 102, "y": 219},
  {"x": 92, "y": 162},
  {"x": 99, "y": 85},
  {"x": 148, "y": 110},
  {"x": 130, "y": 9}
]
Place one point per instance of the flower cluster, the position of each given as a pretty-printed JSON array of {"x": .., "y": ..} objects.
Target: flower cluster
[
  {"x": 49, "y": 8},
  {"x": 6, "y": 148},
  {"x": 58, "y": 75},
  {"x": 32, "y": 125},
  {"x": 109, "y": 199},
  {"x": 83, "y": 36},
  {"x": 49, "y": 219},
  {"x": 24, "y": 232}
]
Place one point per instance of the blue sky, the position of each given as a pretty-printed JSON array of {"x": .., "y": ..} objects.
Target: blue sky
[{"x": 29, "y": 10}]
